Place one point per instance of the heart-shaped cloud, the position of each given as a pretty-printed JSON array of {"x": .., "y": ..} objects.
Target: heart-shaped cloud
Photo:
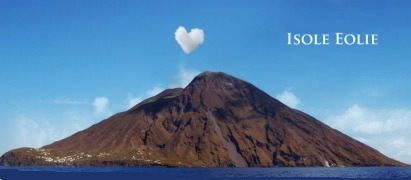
[{"x": 189, "y": 41}]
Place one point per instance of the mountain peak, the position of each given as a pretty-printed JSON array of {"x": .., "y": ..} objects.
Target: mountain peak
[
  {"x": 212, "y": 74},
  {"x": 216, "y": 80}
]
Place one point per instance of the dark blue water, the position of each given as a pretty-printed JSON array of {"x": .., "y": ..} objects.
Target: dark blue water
[{"x": 197, "y": 173}]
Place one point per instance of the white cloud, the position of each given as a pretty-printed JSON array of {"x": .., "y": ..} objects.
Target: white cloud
[
  {"x": 101, "y": 106},
  {"x": 189, "y": 41},
  {"x": 386, "y": 130},
  {"x": 67, "y": 101},
  {"x": 362, "y": 120},
  {"x": 399, "y": 149},
  {"x": 32, "y": 133},
  {"x": 364, "y": 140},
  {"x": 183, "y": 77},
  {"x": 289, "y": 98},
  {"x": 132, "y": 101},
  {"x": 41, "y": 128},
  {"x": 154, "y": 91},
  {"x": 354, "y": 114},
  {"x": 398, "y": 143}
]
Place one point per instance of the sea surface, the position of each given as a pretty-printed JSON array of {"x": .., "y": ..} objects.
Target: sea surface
[{"x": 203, "y": 173}]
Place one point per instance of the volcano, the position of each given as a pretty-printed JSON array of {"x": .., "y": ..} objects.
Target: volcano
[{"x": 216, "y": 121}]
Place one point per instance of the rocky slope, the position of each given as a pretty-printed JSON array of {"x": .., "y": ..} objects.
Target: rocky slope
[{"x": 217, "y": 120}]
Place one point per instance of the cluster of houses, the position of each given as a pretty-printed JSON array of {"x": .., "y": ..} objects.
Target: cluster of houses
[{"x": 46, "y": 156}]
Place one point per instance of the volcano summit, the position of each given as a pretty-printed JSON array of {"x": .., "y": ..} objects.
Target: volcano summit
[{"x": 216, "y": 121}]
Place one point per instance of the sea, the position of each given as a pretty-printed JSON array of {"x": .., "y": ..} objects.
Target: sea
[{"x": 117, "y": 173}]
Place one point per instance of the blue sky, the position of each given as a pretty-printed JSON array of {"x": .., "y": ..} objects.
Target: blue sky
[{"x": 65, "y": 65}]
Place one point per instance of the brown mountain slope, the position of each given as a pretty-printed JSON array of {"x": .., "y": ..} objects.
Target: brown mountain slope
[{"x": 217, "y": 120}]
